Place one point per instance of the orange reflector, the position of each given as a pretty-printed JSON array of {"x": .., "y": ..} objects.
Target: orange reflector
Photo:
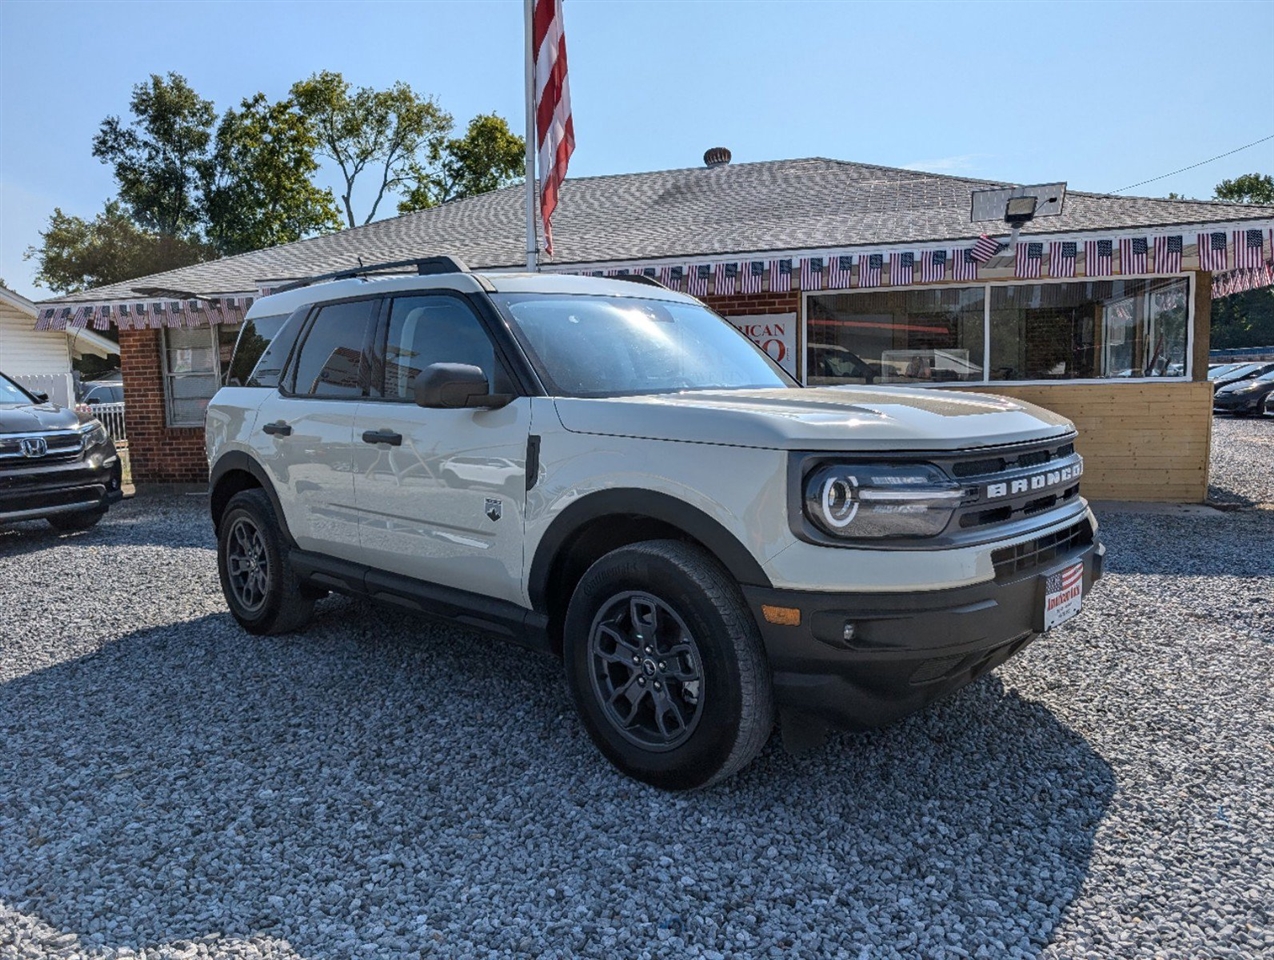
[{"x": 783, "y": 616}]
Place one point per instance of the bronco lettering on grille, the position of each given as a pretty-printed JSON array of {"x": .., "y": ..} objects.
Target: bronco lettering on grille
[{"x": 1036, "y": 481}]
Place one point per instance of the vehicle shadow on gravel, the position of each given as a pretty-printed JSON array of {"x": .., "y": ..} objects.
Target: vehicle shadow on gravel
[
  {"x": 382, "y": 786},
  {"x": 131, "y": 523}
]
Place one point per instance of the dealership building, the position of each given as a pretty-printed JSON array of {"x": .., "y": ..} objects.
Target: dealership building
[{"x": 846, "y": 273}]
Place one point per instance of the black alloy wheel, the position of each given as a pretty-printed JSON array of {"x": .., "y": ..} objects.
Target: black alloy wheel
[{"x": 261, "y": 589}]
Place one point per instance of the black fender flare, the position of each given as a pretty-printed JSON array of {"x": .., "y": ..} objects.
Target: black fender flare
[
  {"x": 634, "y": 502},
  {"x": 237, "y": 460}
]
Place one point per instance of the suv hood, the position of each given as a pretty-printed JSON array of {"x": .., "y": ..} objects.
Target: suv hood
[
  {"x": 829, "y": 418},
  {"x": 34, "y": 417}
]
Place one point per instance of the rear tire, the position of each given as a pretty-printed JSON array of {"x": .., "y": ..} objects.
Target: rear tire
[
  {"x": 261, "y": 589},
  {"x": 666, "y": 666},
  {"x": 76, "y": 522}
]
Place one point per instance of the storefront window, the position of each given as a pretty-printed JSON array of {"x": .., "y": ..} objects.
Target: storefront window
[
  {"x": 1097, "y": 329},
  {"x": 1030, "y": 331},
  {"x": 896, "y": 336}
]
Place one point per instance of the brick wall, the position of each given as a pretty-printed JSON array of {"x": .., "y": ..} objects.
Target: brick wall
[{"x": 159, "y": 453}]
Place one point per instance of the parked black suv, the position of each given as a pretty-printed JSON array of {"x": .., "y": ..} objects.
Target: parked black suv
[{"x": 55, "y": 464}]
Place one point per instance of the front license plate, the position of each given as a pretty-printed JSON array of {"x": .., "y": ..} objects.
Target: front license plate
[{"x": 1063, "y": 595}]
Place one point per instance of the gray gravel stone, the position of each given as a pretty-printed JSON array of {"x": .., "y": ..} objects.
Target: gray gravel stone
[{"x": 382, "y": 786}]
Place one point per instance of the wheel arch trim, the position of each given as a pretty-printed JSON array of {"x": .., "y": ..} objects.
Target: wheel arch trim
[{"x": 238, "y": 461}]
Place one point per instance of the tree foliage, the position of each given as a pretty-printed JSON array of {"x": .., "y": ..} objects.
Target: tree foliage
[
  {"x": 75, "y": 254},
  {"x": 257, "y": 187},
  {"x": 159, "y": 157},
  {"x": 489, "y": 156},
  {"x": 377, "y": 132},
  {"x": 1248, "y": 188}
]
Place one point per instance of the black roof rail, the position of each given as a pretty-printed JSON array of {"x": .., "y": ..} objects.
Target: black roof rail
[
  {"x": 423, "y": 266},
  {"x": 639, "y": 278}
]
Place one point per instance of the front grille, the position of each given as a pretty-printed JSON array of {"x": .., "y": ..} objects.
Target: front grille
[
  {"x": 59, "y": 448},
  {"x": 993, "y": 465},
  {"x": 1041, "y": 551}
]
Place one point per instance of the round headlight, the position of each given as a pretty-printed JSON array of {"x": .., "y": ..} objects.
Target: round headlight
[{"x": 875, "y": 501}]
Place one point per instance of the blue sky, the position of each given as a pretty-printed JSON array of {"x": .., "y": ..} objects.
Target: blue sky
[{"x": 1100, "y": 94}]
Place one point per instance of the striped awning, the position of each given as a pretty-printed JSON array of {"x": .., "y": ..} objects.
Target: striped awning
[{"x": 147, "y": 314}]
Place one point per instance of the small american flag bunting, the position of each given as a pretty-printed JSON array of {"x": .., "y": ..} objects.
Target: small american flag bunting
[
  {"x": 869, "y": 268},
  {"x": 697, "y": 283},
  {"x": 1168, "y": 253},
  {"x": 902, "y": 268},
  {"x": 670, "y": 276},
  {"x": 1249, "y": 249},
  {"x": 933, "y": 266},
  {"x": 1212, "y": 250},
  {"x": 1132, "y": 255},
  {"x": 1061, "y": 258},
  {"x": 813, "y": 273},
  {"x": 964, "y": 265},
  {"x": 1029, "y": 261},
  {"x": 780, "y": 276},
  {"x": 753, "y": 274},
  {"x": 985, "y": 248},
  {"x": 838, "y": 272},
  {"x": 1098, "y": 258},
  {"x": 45, "y": 321},
  {"x": 727, "y": 279}
]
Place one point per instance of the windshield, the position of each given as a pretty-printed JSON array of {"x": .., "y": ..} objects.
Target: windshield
[
  {"x": 10, "y": 392},
  {"x": 584, "y": 346},
  {"x": 1242, "y": 370},
  {"x": 1221, "y": 371}
]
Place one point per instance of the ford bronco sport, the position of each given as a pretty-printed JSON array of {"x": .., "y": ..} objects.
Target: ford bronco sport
[{"x": 605, "y": 470}]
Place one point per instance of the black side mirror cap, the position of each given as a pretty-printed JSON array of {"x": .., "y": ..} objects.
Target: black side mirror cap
[
  {"x": 41, "y": 397},
  {"x": 455, "y": 386}
]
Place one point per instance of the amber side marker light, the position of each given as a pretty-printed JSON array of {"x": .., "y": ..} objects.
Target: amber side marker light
[{"x": 783, "y": 616}]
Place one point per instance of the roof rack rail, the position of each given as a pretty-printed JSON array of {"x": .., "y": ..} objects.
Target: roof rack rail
[
  {"x": 639, "y": 278},
  {"x": 423, "y": 266}
]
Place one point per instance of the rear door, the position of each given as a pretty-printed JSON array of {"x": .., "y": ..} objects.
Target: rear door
[
  {"x": 304, "y": 432},
  {"x": 441, "y": 493}
]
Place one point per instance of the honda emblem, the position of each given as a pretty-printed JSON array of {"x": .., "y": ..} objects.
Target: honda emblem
[{"x": 32, "y": 447}]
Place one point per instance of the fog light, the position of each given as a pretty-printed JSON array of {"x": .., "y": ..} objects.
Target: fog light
[{"x": 783, "y": 616}]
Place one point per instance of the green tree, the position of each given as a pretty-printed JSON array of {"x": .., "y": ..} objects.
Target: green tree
[
  {"x": 377, "y": 132},
  {"x": 1249, "y": 188},
  {"x": 256, "y": 188},
  {"x": 489, "y": 156},
  {"x": 160, "y": 157},
  {"x": 75, "y": 254}
]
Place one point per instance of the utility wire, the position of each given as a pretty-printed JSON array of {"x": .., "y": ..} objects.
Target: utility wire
[{"x": 1193, "y": 165}]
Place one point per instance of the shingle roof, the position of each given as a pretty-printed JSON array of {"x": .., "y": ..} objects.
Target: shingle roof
[{"x": 693, "y": 212}]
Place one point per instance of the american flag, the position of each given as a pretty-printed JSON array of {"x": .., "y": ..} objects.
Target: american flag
[
  {"x": 813, "y": 273},
  {"x": 83, "y": 316},
  {"x": 933, "y": 266},
  {"x": 1249, "y": 249},
  {"x": 554, "y": 127},
  {"x": 780, "y": 276},
  {"x": 1030, "y": 259},
  {"x": 648, "y": 272},
  {"x": 1061, "y": 258},
  {"x": 1132, "y": 255},
  {"x": 66, "y": 319},
  {"x": 902, "y": 268},
  {"x": 1168, "y": 254},
  {"x": 670, "y": 277},
  {"x": 985, "y": 248},
  {"x": 753, "y": 273},
  {"x": 124, "y": 316},
  {"x": 1066, "y": 579},
  {"x": 176, "y": 314},
  {"x": 1098, "y": 258},
  {"x": 727, "y": 279},
  {"x": 1212, "y": 251},
  {"x": 102, "y": 319},
  {"x": 964, "y": 265},
  {"x": 869, "y": 268},
  {"x": 45, "y": 321},
  {"x": 700, "y": 274},
  {"x": 838, "y": 268}
]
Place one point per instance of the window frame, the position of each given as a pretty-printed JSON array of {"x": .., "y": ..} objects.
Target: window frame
[
  {"x": 168, "y": 376},
  {"x": 287, "y": 378},
  {"x": 987, "y": 286}
]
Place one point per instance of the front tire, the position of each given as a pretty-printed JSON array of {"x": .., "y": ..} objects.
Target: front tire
[
  {"x": 666, "y": 666},
  {"x": 261, "y": 589}
]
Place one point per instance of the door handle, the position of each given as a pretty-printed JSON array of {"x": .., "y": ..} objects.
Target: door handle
[
  {"x": 278, "y": 429},
  {"x": 383, "y": 436}
]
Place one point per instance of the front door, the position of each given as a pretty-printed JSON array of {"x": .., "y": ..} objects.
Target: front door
[
  {"x": 304, "y": 432},
  {"x": 440, "y": 493}
]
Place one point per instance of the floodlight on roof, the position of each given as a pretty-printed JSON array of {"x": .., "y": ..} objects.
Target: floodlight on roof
[
  {"x": 1018, "y": 205},
  {"x": 1019, "y": 210}
]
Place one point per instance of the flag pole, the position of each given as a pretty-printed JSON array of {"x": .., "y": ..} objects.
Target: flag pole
[{"x": 532, "y": 246}]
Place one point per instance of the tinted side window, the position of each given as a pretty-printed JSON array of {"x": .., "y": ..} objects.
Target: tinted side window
[
  {"x": 332, "y": 362},
  {"x": 432, "y": 329},
  {"x": 254, "y": 338}
]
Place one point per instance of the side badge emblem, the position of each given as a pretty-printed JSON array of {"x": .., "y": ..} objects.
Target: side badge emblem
[{"x": 495, "y": 508}]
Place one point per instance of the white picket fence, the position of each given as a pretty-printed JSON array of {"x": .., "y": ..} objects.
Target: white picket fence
[{"x": 112, "y": 417}]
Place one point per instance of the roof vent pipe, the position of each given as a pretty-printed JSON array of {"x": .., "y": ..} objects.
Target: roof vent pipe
[{"x": 716, "y": 157}]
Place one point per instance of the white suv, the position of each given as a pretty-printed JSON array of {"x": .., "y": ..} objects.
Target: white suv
[{"x": 607, "y": 471}]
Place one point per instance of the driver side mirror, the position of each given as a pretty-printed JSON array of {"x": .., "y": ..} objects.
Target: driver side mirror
[
  {"x": 456, "y": 386},
  {"x": 41, "y": 397}
]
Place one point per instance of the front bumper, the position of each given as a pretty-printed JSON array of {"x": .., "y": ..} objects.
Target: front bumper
[
  {"x": 907, "y": 650},
  {"x": 32, "y": 492}
]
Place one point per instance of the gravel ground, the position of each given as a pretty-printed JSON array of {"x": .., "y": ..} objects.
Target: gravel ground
[
  {"x": 383, "y": 786},
  {"x": 1242, "y": 461}
]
